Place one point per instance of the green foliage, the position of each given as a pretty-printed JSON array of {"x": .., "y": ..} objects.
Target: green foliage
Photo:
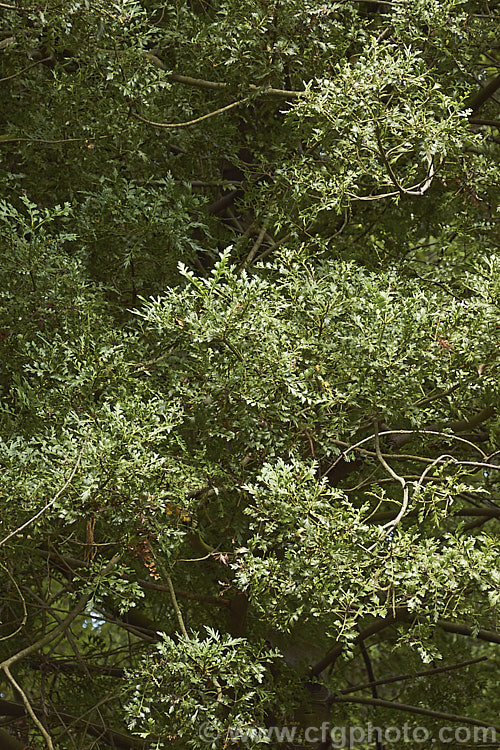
[
  {"x": 202, "y": 683},
  {"x": 249, "y": 305}
]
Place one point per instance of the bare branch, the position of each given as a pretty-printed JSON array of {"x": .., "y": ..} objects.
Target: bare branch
[
  {"x": 29, "y": 709},
  {"x": 484, "y": 94},
  {"x": 330, "y": 658},
  {"x": 28, "y": 67},
  {"x": 480, "y": 121},
  {"x": 19, "y": 8},
  {"x": 410, "y": 676},
  {"x": 77, "y": 609},
  {"x": 51, "y": 503},
  {"x": 189, "y": 122},
  {"x": 217, "y": 601},
  {"x": 402, "y": 615},
  {"x": 175, "y": 603},
  {"x": 256, "y": 246},
  {"x": 391, "y": 525},
  {"x": 418, "y": 710},
  {"x": 217, "y": 86}
]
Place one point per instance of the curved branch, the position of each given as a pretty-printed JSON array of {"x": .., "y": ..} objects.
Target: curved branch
[
  {"x": 410, "y": 676},
  {"x": 461, "y": 425},
  {"x": 79, "y": 607},
  {"x": 28, "y": 707},
  {"x": 484, "y": 94},
  {"x": 51, "y": 502},
  {"x": 23, "y": 70},
  {"x": 418, "y": 710},
  {"x": 402, "y": 615},
  {"x": 404, "y": 505},
  {"x": 418, "y": 189},
  {"x": 407, "y": 456},
  {"x": 218, "y": 86},
  {"x": 485, "y": 513},
  {"x": 189, "y": 122}
]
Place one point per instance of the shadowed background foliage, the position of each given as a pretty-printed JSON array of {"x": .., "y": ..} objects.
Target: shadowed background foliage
[{"x": 249, "y": 380}]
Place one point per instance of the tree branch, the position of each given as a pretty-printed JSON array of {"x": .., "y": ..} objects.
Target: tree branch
[
  {"x": 78, "y": 608},
  {"x": 417, "y": 710},
  {"x": 480, "y": 121},
  {"x": 112, "y": 736},
  {"x": 391, "y": 525},
  {"x": 467, "y": 512},
  {"x": 402, "y": 615},
  {"x": 23, "y": 70},
  {"x": 19, "y": 8},
  {"x": 484, "y": 94},
  {"x": 410, "y": 676},
  {"x": 461, "y": 425},
  {"x": 218, "y": 86},
  {"x": 373, "y": 683},
  {"x": 28, "y": 707},
  {"x": 189, "y": 122},
  {"x": 215, "y": 600},
  {"x": 330, "y": 658},
  {"x": 51, "y": 502}
]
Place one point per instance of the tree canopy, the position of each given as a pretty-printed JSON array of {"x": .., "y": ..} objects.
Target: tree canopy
[{"x": 249, "y": 376}]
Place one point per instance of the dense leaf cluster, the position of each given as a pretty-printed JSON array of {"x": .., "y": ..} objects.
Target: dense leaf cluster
[{"x": 249, "y": 392}]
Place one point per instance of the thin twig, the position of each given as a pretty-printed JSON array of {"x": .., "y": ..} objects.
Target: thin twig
[
  {"x": 427, "y": 469},
  {"x": 28, "y": 67},
  {"x": 398, "y": 456},
  {"x": 25, "y": 139},
  {"x": 487, "y": 513},
  {"x": 216, "y": 601},
  {"x": 217, "y": 85},
  {"x": 20, "y": 9},
  {"x": 418, "y": 710},
  {"x": 176, "y": 606},
  {"x": 180, "y": 619},
  {"x": 421, "y": 433},
  {"x": 186, "y": 124},
  {"x": 418, "y": 189},
  {"x": 51, "y": 503},
  {"x": 255, "y": 248},
  {"x": 28, "y": 707},
  {"x": 391, "y": 525},
  {"x": 46, "y": 639},
  {"x": 171, "y": 590},
  {"x": 273, "y": 247},
  {"x": 373, "y": 683},
  {"x": 25, "y": 611},
  {"x": 423, "y": 673}
]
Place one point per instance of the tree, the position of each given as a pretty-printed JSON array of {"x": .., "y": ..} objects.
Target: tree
[{"x": 249, "y": 384}]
